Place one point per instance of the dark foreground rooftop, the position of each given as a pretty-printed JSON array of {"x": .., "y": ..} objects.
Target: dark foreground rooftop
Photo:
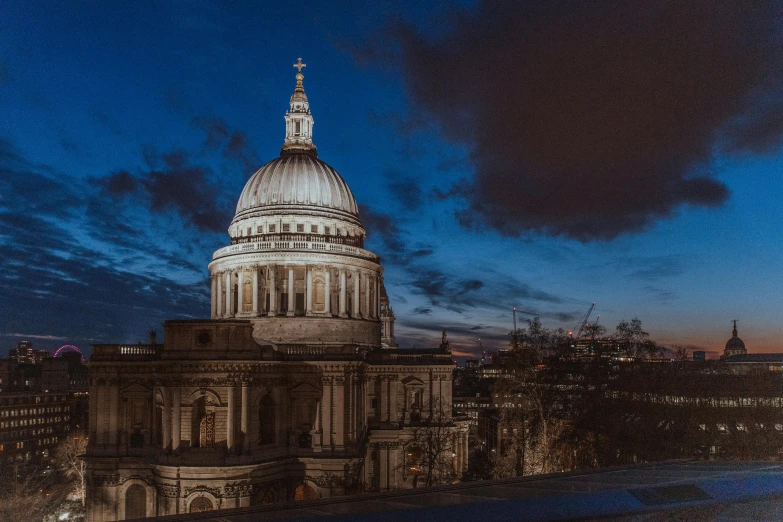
[{"x": 664, "y": 491}]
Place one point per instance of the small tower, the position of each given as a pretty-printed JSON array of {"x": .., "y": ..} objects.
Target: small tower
[
  {"x": 298, "y": 120},
  {"x": 387, "y": 321}
]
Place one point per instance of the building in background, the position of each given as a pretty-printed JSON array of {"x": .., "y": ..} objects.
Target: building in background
[
  {"x": 42, "y": 400},
  {"x": 24, "y": 353}
]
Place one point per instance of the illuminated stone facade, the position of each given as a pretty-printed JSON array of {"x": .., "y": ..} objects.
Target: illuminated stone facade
[{"x": 294, "y": 389}]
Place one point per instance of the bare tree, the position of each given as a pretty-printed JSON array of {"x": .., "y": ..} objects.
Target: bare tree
[
  {"x": 431, "y": 447},
  {"x": 634, "y": 340},
  {"x": 69, "y": 457},
  {"x": 24, "y": 495}
]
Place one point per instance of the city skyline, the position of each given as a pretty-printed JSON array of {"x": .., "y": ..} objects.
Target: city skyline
[{"x": 129, "y": 138}]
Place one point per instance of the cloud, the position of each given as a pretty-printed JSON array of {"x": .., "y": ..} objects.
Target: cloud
[
  {"x": 421, "y": 310},
  {"x": 382, "y": 227},
  {"x": 595, "y": 119},
  {"x": 174, "y": 184},
  {"x": 231, "y": 142},
  {"x": 405, "y": 190},
  {"x": 75, "y": 268},
  {"x": 35, "y": 336},
  {"x": 651, "y": 268}
]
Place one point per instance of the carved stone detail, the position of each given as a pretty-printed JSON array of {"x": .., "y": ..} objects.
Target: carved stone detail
[{"x": 215, "y": 492}]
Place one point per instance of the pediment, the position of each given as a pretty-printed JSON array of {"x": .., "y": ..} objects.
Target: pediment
[
  {"x": 305, "y": 388},
  {"x": 412, "y": 381},
  {"x": 136, "y": 389}
]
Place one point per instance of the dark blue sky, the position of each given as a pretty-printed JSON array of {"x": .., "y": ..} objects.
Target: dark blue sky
[{"x": 539, "y": 155}]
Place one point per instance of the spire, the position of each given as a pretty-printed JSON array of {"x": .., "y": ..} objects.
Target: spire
[
  {"x": 734, "y": 332},
  {"x": 298, "y": 120}
]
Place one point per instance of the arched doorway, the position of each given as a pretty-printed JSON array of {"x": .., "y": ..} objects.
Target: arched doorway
[
  {"x": 136, "y": 502},
  {"x": 304, "y": 492},
  {"x": 201, "y": 504},
  {"x": 202, "y": 424}
]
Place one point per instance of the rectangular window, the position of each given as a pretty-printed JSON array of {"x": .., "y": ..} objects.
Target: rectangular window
[
  {"x": 313, "y": 229},
  {"x": 327, "y": 230},
  {"x": 259, "y": 229},
  {"x": 249, "y": 230},
  {"x": 286, "y": 227},
  {"x": 300, "y": 227},
  {"x": 272, "y": 228},
  {"x": 375, "y": 404},
  {"x": 298, "y": 128}
]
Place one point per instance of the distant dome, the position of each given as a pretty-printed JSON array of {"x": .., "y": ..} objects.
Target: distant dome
[
  {"x": 297, "y": 179},
  {"x": 735, "y": 343},
  {"x": 734, "y": 346}
]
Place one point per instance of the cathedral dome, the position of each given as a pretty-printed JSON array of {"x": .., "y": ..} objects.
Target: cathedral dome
[
  {"x": 735, "y": 345},
  {"x": 297, "y": 179}
]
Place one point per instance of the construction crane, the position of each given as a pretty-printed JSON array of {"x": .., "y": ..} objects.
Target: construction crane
[{"x": 580, "y": 328}]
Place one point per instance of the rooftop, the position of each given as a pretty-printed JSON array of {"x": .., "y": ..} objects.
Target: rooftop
[{"x": 676, "y": 490}]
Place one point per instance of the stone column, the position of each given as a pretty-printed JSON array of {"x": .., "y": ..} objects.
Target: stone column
[
  {"x": 383, "y": 401},
  {"x": 220, "y": 296},
  {"x": 377, "y": 299},
  {"x": 367, "y": 296},
  {"x": 338, "y": 422},
  {"x": 455, "y": 459},
  {"x": 240, "y": 290},
  {"x": 309, "y": 291},
  {"x": 326, "y": 412},
  {"x": 272, "y": 291},
  {"x": 351, "y": 407},
  {"x": 255, "y": 291},
  {"x": 328, "y": 304},
  {"x": 291, "y": 296},
  {"x": 213, "y": 298},
  {"x": 356, "y": 295},
  {"x": 317, "y": 432},
  {"x": 465, "y": 454},
  {"x": 343, "y": 296},
  {"x": 393, "y": 452},
  {"x": 244, "y": 417},
  {"x": 166, "y": 418},
  {"x": 383, "y": 455},
  {"x": 176, "y": 434},
  {"x": 393, "y": 385},
  {"x": 230, "y": 418},
  {"x": 228, "y": 295}
]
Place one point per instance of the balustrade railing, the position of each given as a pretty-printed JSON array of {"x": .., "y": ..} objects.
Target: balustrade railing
[
  {"x": 355, "y": 241},
  {"x": 126, "y": 351},
  {"x": 280, "y": 244}
]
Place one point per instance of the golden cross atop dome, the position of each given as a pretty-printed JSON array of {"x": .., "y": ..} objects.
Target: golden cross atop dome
[{"x": 299, "y": 65}]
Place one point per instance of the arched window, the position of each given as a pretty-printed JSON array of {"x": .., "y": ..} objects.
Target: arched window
[
  {"x": 136, "y": 502},
  {"x": 304, "y": 492},
  {"x": 203, "y": 425},
  {"x": 201, "y": 504},
  {"x": 319, "y": 294},
  {"x": 266, "y": 421}
]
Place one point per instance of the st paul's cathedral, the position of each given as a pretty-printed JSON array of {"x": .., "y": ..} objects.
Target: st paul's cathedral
[{"x": 294, "y": 389}]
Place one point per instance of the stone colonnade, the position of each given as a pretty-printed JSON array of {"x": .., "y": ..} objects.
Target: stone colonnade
[
  {"x": 172, "y": 428},
  {"x": 228, "y": 292}
]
